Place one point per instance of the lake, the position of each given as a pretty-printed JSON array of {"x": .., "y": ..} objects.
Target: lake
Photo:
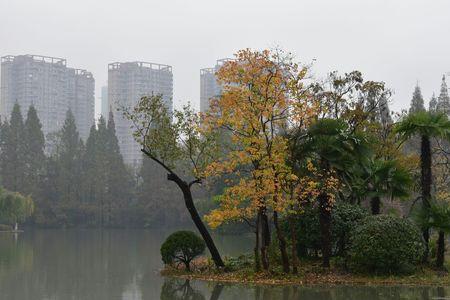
[{"x": 125, "y": 264}]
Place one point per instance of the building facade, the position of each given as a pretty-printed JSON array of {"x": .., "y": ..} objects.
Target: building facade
[
  {"x": 104, "y": 109},
  {"x": 127, "y": 83},
  {"x": 49, "y": 85},
  {"x": 209, "y": 87}
]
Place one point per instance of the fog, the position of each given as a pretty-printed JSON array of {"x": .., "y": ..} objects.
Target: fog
[{"x": 399, "y": 42}]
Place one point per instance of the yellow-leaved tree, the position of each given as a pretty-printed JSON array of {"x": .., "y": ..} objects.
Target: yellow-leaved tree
[{"x": 263, "y": 95}]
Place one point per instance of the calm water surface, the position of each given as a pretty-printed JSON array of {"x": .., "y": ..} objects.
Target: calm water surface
[{"x": 124, "y": 264}]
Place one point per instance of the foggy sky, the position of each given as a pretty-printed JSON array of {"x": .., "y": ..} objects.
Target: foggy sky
[{"x": 399, "y": 42}]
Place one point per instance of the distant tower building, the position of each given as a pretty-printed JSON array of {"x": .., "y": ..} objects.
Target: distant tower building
[
  {"x": 82, "y": 103},
  {"x": 127, "y": 83},
  {"x": 209, "y": 87},
  {"x": 52, "y": 87},
  {"x": 105, "y": 103}
]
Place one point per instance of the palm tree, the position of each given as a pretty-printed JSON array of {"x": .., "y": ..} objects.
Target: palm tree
[
  {"x": 385, "y": 178},
  {"x": 334, "y": 149},
  {"x": 427, "y": 125}
]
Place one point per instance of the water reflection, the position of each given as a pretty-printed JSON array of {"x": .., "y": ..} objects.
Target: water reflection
[
  {"x": 184, "y": 290},
  {"x": 124, "y": 264},
  {"x": 174, "y": 289}
]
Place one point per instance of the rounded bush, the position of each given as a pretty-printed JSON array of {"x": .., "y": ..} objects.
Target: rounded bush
[
  {"x": 386, "y": 245},
  {"x": 345, "y": 217},
  {"x": 182, "y": 247}
]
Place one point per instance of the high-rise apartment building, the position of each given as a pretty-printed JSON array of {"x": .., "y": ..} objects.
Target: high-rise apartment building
[
  {"x": 104, "y": 109},
  {"x": 209, "y": 87},
  {"x": 49, "y": 85},
  {"x": 127, "y": 83}
]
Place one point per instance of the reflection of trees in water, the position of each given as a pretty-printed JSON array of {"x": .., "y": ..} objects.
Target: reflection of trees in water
[
  {"x": 14, "y": 255},
  {"x": 102, "y": 265},
  {"x": 349, "y": 292},
  {"x": 175, "y": 289},
  {"x": 75, "y": 264}
]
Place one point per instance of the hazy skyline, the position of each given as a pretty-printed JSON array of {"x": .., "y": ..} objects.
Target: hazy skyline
[{"x": 399, "y": 42}]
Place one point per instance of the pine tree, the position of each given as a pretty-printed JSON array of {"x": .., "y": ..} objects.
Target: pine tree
[
  {"x": 69, "y": 151},
  {"x": 34, "y": 155},
  {"x": 118, "y": 178},
  {"x": 433, "y": 103},
  {"x": 101, "y": 156},
  {"x": 12, "y": 159},
  {"x": 417, "y": 103},
  {"x": 89, "y": 167},
  {"x": 443, "y": 102}
]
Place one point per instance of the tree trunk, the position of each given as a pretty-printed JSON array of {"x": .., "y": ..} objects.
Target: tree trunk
[
  {"x": 440, "y": 257},
  {"x": 294, "y": 245},
  {"x": 256, "y": 249},
  {"x": 375, "y": 204},
  {"x": 16, "y": 227},
  {"x": 265, "y": 243},
  {"x": 325, "y": 228},
  {"x": 185, "y": 188},
  {"x": 425, "y": 183},
  {"x": 281, "y": 243}
]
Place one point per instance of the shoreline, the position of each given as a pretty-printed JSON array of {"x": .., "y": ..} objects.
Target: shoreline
[{"x": 427, "y": 277}]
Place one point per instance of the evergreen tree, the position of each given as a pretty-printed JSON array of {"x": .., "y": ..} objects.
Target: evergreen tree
[
  {"x": 69, "y": 151},
  {"x": 12, "y": 159},
  {"x": 433, "y": 103},
  {"x": 119, "y": 179},
  {"x": 417, "y": 103},
  {"x": 101, "y": 163},
  {"x": 443, "y": 102},
  {"x": 90, "y": 208},
  {"x": 34, "y": 155}
]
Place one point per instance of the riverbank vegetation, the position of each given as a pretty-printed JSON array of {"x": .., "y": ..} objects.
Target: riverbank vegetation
[
  {"x": 76, "y": 183},
  {"x": 310, "y": 166}
]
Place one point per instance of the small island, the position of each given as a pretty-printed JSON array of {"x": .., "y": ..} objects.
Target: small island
[{"x": 333, "y": 186}]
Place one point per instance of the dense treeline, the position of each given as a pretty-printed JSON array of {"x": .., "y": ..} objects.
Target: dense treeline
[
  {"x": 328, "y": 147},
  {"x": 73, "y": 183}
]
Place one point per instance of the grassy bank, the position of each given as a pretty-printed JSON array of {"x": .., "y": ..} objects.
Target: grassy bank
[{"x": 311, "y": 273}]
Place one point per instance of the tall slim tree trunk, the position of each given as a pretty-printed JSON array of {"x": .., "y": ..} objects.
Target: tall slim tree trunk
[
  {"x": 281, "y": 243},
  {"x": 425, "y": 183},
  {"x": 189, "y": 202},
  {"x": 440, "y": 257},
  {"x": 325, "y": 228},
  {"x": 375, "y": 205},
  {"x": 256, "y": 249},
  {"x": 294, "y": 245},
  {"x": 265, "y": 239}
]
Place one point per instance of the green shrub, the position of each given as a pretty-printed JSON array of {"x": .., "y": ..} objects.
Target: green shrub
[
  {"x": 307, "y": 232},
  {"x": 182, "y": 247},
  {"x": 386, "y": 245},
  {"x": 240, "y": 262},
  {"x": 345, "y": 218}
]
